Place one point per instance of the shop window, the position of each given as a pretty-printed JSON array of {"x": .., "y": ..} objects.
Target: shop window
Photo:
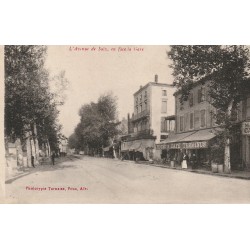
[
  {"x": 164, "y": 106},
  {"x": 181, "y": 123},
  {"x": 203, "y": 118},
  {"x": 164, "y": 92}
]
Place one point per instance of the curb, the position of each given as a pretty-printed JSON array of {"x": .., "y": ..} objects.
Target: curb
[{"x": 195, "y": 171}]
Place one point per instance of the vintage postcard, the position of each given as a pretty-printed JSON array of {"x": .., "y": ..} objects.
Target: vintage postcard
[{"x": 125, "y": 124}]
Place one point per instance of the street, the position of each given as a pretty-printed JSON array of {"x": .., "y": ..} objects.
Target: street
[{"x": 100, "y": 180}]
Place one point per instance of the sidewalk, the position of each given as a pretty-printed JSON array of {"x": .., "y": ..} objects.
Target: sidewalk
[
  {"x": 244, "y": 174},
  {"x": 46, "y": 162}
]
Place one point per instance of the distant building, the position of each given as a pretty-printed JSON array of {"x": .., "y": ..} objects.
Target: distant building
[
  {"x": 63, "y": 147},
  {"x": 152, "y": 120}
]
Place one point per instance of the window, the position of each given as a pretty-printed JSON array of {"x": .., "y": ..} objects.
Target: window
[
  {"x": 145, "y": 95},
  {"x": 181, "y": 104},
  {"x": 164, "y": 137},
  {"x": 146, "y": 107},
  {"x": 191, "y": 120},
  {"x": 164, "y": 92},
  {"x": 203, "y": 118},
  {"x": 248, "y": 108},
  {"x": 140, "y": 98},
  {"x": 191, "y": 99},
  {"x": 164, "y": 125},
  {"x": 201, "y": 95},
  {"x": 164, "y": 106},
  {"x": 196, "y": 119},
  {"x": 186, "y": 122},
  {"x": 181, "y": 123}
]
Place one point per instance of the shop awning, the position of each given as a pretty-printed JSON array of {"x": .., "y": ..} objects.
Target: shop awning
[
  {"x": 190, "y": 140},
  {"x": 201, "y": 135},
  {"x": 175, "y": 138},
  {"x": 137, "y": 145}
]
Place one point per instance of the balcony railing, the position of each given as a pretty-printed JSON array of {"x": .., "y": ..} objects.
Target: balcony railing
[
  {"x": 142, "y": 114},
  {"x": 145, "y": 132}
]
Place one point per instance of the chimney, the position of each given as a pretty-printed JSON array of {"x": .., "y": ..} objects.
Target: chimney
[{"x": 156, "y": 78}]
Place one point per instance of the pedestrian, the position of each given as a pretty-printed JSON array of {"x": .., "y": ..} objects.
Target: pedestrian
[
  {"x": 32, "y": 161},
  {"x": 184, "y": 161},
  {"x": 53, "y": 158}
]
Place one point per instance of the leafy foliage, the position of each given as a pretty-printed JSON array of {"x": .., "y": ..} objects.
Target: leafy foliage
[
  {"x": 98, "y": 124},
  {"x": 226, "y": 68},
  {"x": 28, "y": 99}
]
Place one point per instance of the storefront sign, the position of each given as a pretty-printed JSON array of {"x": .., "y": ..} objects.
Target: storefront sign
[
  {"x": 183, "y": 145},
  {"x": 246, "y": 128}
]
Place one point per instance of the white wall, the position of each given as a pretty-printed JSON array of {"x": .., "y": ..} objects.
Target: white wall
[{"x": 155, "y": 108}]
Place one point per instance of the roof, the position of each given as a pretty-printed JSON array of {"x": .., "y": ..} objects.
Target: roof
[{"x": 154, "y": 84}]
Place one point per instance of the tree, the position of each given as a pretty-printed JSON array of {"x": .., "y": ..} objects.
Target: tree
[
  {"x": 30, "y": 106},
  {"x": 98, "y": 124},
  {"x": 226, "y": 68}
]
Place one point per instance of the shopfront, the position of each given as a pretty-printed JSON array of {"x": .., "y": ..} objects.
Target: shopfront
[
  {"x": 137, "y": 149},
  {"x": 194, "y": 144}
]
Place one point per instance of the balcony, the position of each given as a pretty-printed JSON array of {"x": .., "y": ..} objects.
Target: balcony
[
  {"x": 141, "y": 115},
  {"x": 143, "y": 134}
]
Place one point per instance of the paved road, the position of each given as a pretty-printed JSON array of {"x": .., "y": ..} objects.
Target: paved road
[{"x": 96, "y": 180}]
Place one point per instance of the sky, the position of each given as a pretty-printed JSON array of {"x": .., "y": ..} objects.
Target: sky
[{"x": 94, "y": 70}]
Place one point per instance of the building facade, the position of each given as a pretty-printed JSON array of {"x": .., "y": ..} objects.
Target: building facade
[
  {"x": 150, "y": 122},
  {"x": 245, "y": 141},
  {"x": 196, "y": 129}
]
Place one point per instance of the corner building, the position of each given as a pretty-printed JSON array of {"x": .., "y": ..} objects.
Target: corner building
[{"x": 151, "y": 122}]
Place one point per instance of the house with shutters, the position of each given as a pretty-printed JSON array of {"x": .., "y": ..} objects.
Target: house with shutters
[
  {"x": 196, "y": 127},
  {"x": 152, "y": 121}
]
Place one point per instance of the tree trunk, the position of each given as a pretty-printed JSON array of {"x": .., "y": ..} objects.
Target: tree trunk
[
  {"x": 36, "y": 145},
  {"x": 227, "y": 165},
  {"x": 28, "y": 149}
]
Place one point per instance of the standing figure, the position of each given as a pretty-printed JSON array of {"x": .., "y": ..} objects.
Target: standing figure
[
  {"x": 184, "y": 161},
  {"x": 53, "y": 158},
  {"x": 32, "y": 161}
]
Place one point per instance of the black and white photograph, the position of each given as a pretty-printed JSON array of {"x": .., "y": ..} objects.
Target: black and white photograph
[{"x": 127, "y": 124}]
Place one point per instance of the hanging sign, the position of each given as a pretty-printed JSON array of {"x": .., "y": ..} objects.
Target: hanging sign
[
  {"x": 183, "y": 145},
  {"x": 246, "y": 128}
]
